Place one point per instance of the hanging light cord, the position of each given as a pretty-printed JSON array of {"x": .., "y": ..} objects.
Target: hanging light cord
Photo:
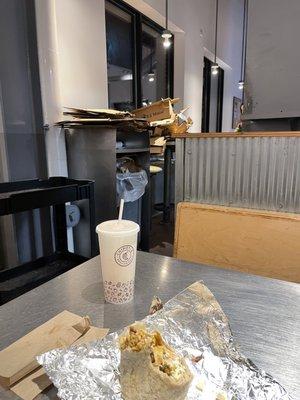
[
  {"x": 167, "y": 14},
  {"x": 244, "y": 45},
  {"x": 246, "y": 36},
  {"x": 216, "y": 29}
]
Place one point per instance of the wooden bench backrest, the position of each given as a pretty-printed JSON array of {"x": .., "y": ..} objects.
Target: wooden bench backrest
[{"x": 254, "y": 241}]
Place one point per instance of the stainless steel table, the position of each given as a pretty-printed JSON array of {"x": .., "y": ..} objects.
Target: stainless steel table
[{"x": 264, "y": 313}]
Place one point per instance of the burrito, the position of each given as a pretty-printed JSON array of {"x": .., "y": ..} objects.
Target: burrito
[{"x": 149, "y": 368}]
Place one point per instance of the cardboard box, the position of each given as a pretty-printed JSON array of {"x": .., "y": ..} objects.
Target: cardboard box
[
  {"x": 157, "y": 111},
  {"x": 164, "y": 120},
  {"x": 157, "y": 141},
  {"x": 157, "y": 149},
  {"x": 179, "y": 128}
]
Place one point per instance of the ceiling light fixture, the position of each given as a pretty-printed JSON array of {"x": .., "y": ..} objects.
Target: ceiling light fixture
[
  {"x": 244, "y": 46},
  {"x": 151, "y": 76},
  {"x": 214, "y": 68},
  {"x": 214, "y": 65},
  {"x": 167, "y": 34}
]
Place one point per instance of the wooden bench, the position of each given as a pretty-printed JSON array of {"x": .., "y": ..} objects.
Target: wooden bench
[{"x": 254, "y": 241}]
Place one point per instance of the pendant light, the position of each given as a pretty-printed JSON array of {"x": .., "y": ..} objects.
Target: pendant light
[
  {"x": 151, "y": 74},
  {"x": 214, "y": 65},
  {"x": 244, "y": 46},
  {"x": 166, "y": 35}
]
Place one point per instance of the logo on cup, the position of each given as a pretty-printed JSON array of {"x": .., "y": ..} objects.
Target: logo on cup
[{"x": 124, "y": 255}]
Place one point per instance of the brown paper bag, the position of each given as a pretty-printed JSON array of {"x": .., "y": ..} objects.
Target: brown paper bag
[
  {"x": 33, "y": 384},
  {"x": 18, "y": 359},
  {"x": 19, "y": 369}
]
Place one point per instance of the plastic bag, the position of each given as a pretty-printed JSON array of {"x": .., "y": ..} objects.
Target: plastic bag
[{"x": 131, "y": 185}]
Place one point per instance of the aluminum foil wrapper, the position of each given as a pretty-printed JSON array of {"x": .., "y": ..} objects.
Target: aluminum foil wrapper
[{"x": 195, "y": 325}]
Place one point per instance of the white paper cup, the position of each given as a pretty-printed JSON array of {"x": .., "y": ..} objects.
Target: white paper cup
[{"x": 118, "y": 244}]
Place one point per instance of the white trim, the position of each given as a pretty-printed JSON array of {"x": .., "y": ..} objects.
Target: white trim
[
  {"x": 208, "y": 54},
  {"x": 153, "y": 14}
]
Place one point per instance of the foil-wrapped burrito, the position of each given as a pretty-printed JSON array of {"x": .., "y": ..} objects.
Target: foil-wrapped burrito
[
  {"x": 149, "y": 368},
  {"x": 194, "y": 325}
]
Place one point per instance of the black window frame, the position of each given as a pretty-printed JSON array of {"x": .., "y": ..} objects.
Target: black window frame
[
  {"x": 206, "y": 96},
  {"x": 137, "y": 20}
]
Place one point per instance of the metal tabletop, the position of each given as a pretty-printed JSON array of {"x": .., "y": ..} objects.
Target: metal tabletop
[{"x": 264, "y": 313}]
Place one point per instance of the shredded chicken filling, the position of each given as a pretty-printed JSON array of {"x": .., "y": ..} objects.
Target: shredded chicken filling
[{"x": 161, "y": 356}]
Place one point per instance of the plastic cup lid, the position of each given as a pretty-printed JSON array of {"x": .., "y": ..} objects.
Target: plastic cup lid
[{"x": 118, "y": 227}]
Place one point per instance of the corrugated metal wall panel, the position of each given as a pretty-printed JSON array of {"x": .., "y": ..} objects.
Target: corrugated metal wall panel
[{"x": 258, "y": 172}]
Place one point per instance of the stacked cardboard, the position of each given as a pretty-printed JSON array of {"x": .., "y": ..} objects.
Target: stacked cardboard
[
  {"x": 106, "y": 117},
  {"x": 162, "y": 115},
  {"x": 96, "y": 113},
  {"x": 165, "y": 122}
]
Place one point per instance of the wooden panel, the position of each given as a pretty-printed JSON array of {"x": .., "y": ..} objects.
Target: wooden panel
[
  {"x": 253, "y": 241},
  {"x": 192, "y": 135}
]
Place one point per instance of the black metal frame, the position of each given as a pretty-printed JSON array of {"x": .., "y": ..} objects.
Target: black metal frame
[
  {"x": 220, "y": 100},
  {"x": 37, "y": 193},
  {"x": 206, "y": 96},
  {"x": 137, "y": 20},
  {"x": 170, "y": 149}
]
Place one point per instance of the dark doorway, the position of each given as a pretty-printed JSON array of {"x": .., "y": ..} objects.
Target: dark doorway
[{"x": 212, "y": 100}]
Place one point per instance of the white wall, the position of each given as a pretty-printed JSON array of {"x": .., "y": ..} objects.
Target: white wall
[
  {"x": 82, "y": 52},
  {"x": 72, "y": 58},
  {"x": 50, "y": 86}
]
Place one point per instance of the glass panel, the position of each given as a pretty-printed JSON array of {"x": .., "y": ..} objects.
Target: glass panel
[
  {"x": 119, "y": 42},
  {"x": 154, "y": 66}
]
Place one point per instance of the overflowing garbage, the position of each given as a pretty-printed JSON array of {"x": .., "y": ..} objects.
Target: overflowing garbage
[
  {"x": 161, "y": 115},
  {"x": 164, "y": 121}
]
